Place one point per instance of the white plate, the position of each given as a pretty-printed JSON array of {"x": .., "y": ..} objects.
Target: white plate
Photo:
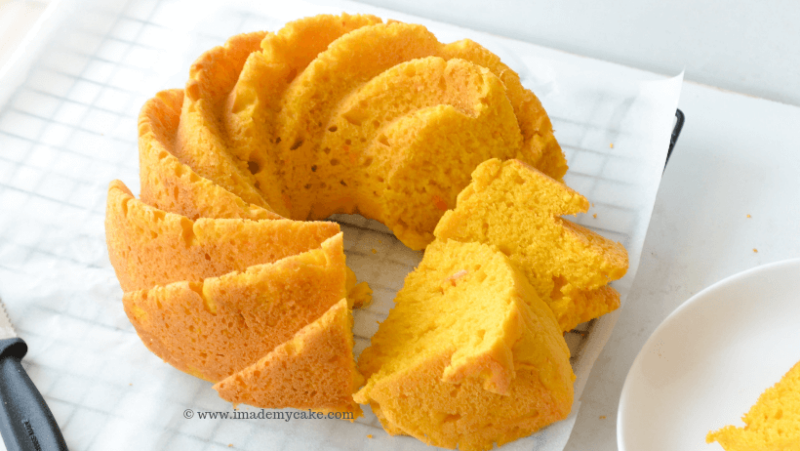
[{"x": 708, "y": 362}]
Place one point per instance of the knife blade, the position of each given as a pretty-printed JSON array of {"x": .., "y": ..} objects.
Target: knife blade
[{"x": 26, "y": 422}]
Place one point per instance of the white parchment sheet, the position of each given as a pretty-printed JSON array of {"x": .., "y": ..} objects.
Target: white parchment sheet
[{"x": 69, "y": 127}]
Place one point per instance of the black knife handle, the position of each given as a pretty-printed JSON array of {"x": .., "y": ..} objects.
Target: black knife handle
[{"x": 26, "y": 422}]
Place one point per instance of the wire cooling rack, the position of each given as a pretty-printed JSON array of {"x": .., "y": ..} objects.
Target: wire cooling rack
[{"x": 70, "y": 128}]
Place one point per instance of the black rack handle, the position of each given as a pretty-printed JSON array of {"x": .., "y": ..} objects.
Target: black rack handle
[
  {"x": 26, "y": 422},
  {"x": 676, "y": 133}
]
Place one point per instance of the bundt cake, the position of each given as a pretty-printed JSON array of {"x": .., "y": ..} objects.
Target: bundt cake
[
  {"x": 216, "y": 327},
  {"x": 341, "y": 114},
  {"x": 772, "y": 424},
  {"x": 226, "y": 277},
  {"x": 469, "y": 356},
  {"x": 517, "y": 208},
  {"x": 315, "y": 369}
]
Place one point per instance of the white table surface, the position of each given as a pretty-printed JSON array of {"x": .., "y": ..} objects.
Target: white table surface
[{"x": 737, "y": 155}]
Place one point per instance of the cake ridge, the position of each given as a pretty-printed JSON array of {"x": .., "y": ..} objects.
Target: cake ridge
[
  {"x": 201, "y": 141},
  {"x": 534, "y": 123},
  {"x": 169, "y": 184}
]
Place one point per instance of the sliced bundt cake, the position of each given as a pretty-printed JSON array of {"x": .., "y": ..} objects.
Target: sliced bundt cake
[
  {"x": 314, "y": 370},
  {"x": 469, "y": 356},
  {"x": 517, "y": 208},
  {"x": 347, "y": 114}
]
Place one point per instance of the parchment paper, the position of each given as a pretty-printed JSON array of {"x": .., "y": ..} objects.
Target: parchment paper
[{"x": 70, "y": 127}]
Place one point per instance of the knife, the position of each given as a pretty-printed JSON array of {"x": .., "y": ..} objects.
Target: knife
[{"x": 26, "y": 422}]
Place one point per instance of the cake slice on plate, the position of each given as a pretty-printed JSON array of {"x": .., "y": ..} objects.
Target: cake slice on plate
[{"x": 772, "y": 424}]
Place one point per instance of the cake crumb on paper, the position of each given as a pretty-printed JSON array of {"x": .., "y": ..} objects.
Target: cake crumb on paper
[
  {"x": 369, "y": 435},
  {"x": 749, "y": 216},
  {"x": 755, "y": 250},
  {"x": 602, "y": 417},
  {"x": 594, "y": 216},
  {"x": 611, "y": 145}
]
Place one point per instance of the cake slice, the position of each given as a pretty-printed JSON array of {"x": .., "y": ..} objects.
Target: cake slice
[
  {"x": 315, "y": 369},
  {"x": 216, "y": 327},
  {"x": 149, "y": 247},
  {"x": 517, "y": 208},
  {"x": 772, "y": 424},
  {"x": 469, "y": 356}
]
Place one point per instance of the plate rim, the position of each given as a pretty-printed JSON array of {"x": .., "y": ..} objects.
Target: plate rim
[{"x": 697, "y": 297}]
